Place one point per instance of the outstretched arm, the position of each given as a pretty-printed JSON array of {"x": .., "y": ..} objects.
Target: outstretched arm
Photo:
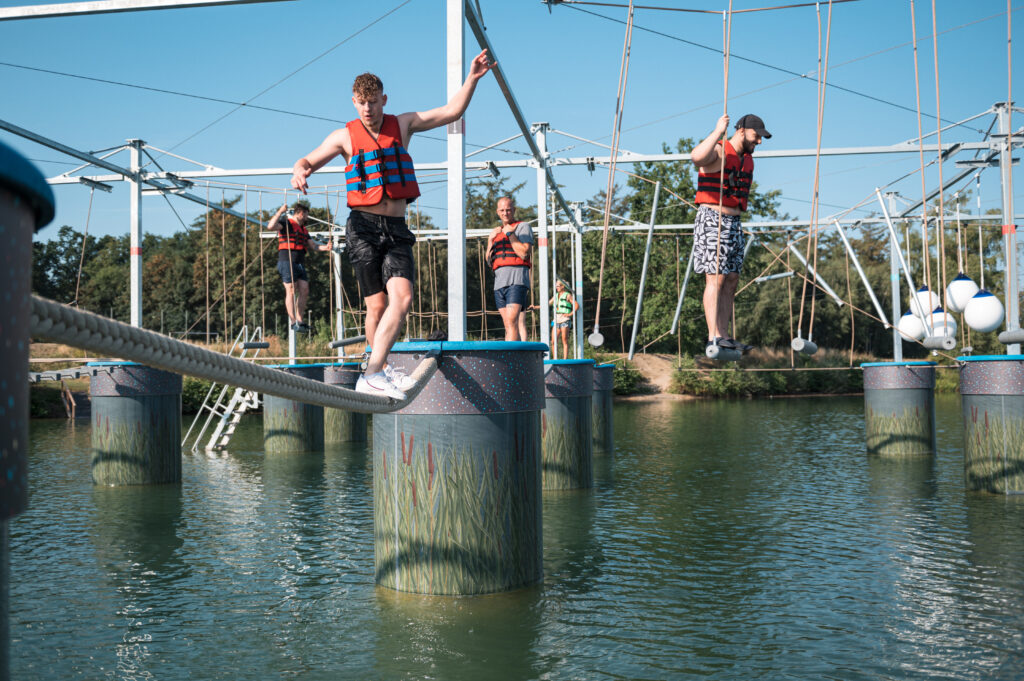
[
  {"x": 706, "y": 153},
  {"x": 456, "y": 106},
  {"x": 273, "y": 224},
  {"x": 335, "y": 144}
]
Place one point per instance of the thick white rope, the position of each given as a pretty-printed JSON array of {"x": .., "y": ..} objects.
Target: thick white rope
[{"x": 62, "y": 324}]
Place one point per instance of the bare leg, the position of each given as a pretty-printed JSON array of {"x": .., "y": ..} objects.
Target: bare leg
[
  {"x": 727, "y": 294},
  {"x": 564, "y": 334},
  {"x": 522, "y": 324},
  {"x": 712, "y": 284},
  {"x": 302, "y": 295},
  {"x": 399, "y": 301},
  {"x": 289, "y": 302},
  {"x": 375, "y": 306},
  {"x": 510, "y": 317}
]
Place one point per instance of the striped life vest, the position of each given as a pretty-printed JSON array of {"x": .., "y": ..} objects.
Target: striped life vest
[
  {"x": 563, "y": 303},
  {"x": 378, "y": 166},
  {"x": 292, "y": 236},
  {"x": 503, "y": 255},
  {"x": 736, "y": 188}
]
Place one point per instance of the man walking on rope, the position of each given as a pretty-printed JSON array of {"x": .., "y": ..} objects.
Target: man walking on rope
[
  {"x": 292, "y": 243},
  {"x": 717, "y": 231},
  {"x": 380, "y": 181},
  {"x": 508, "y": 252}
]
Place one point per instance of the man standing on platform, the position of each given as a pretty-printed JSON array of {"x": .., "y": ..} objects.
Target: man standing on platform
[
  {"x": 293, "y": 241},
  {"x": 380, "y": 182},
  {"x": 717, "y": 231},
  {"x": 508, "y": 252}
]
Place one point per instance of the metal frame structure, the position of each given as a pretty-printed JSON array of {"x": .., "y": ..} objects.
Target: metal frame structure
[{"x": 67, "y": 9}]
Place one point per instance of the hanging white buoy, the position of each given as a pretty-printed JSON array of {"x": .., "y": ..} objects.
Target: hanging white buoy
[
  {"x": 923, "y": 301},
  {"x": 984, "y": 312},
  {"x": 910, "y": 326},
  {"x": 942, "y": 323},
  {"x": 959, "y": 293}
]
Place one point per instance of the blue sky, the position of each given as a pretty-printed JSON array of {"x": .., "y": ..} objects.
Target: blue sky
[{"x": 563, "y": 66}]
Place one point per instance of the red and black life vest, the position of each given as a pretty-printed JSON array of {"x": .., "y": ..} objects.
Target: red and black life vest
[
  {"x": 292, "y": 236},
  {"x": 735, "y": 184},
  {"x": 378, "y": 166},
  {"x": 503, "y": 255}
]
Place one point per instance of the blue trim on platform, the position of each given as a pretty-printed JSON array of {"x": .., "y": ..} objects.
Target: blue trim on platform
[
  {"x": 564, "y": 362},
  {"x": 297, "y": 366},
  {"x": 468, "y": 346},
  {"x": 897, "y": 364},
  {"x": 114, "y": 364},
  {"x": 989, "y": 358}
]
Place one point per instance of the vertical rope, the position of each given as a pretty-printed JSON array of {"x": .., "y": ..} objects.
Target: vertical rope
[
  {"x": 625, "y": 300},
  {"x": 789, "y": 296},
  {"x": 726, "y": 43},
  {"x": 245, "y": 250},
  {"x": 85, "y": 239},
  {"x": 335, "y": 271},
  {"x": 207, "y": 262},
  {"x": 263, "y": 287},
  {"x": 1011, "y": 265},
  {"x": 849, "y": 297},
  {"x": 623, "y": 74},
  {"x": 223, "y": 265},
  {"x": 920, "y": 143},
  {"x": 938, "y": 117},
  {"x": 679, "y": 336}
]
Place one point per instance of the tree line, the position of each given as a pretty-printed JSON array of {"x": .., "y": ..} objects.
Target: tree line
[{"x": 218, "y": 274}]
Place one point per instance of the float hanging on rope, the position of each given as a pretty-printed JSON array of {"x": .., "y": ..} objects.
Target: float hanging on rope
[
  {"x": 943, "y": 330},
  {"x": 959, "y": 293},
  {"x": 911, "y": 327},
  {"x": 984, "y": 312},
  {"x": 923, "y": 301}
]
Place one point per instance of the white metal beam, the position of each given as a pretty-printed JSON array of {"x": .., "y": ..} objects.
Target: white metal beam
[{"x": 66, "y": 9}]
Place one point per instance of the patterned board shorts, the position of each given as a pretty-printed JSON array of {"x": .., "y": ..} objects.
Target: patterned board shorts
[{"x": 705, "y": 249}]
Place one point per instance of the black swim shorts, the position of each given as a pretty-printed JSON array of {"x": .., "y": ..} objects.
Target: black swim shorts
[{"x": 379, "y": 247}]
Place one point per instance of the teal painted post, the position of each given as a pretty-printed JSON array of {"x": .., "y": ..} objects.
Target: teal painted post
[
  {"x": 992, "y": 400},
  {"x": 26, "y": 204},
  {"x": 341, "y": 425},
  {"x": 899, "y": 408},
  {"x": 567, "y": 424},
  {"x": 136, "y": 425},
  {"x": 456, "y": 474},
  {"x": 604, "y": 429},
  {"x": 290, "y": 426}
]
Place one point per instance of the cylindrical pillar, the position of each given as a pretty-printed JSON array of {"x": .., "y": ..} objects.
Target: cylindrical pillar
[
  {"x": 567, "y": 424},
  {"x": 136, "y": 425},
  {"x": 604, "y": 430},
  {"x": 290, "y": 426},
  {"x": 341, "y": 425},
  {"x": 899, "y": 408},
  {"x": 992, "y": 398},
  {"x": 26, "y": 204},
  {"x": 456, "y": 474}
]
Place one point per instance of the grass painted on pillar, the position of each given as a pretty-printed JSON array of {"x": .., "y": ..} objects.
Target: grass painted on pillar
[
  {"x": 993, "y": 449},
  {"x": 136, "y": 441},
  {"x": 341, "y": 425},
  {"x": 455, "y": 518},
  {"x": 909, "y": 433},
  {"x": 290, "y": 426},
  {"x": 602, "y": 422},
  {"x": 567, "y": 428}
]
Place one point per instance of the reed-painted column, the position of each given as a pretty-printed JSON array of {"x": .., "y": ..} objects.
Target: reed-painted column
[
  {"x": 899, "y": 408},
  {"x": 341, "y": 425},
  {"x": 567, "y": 424},
  {"x": 604, "y": 430},
  {"x": 992, "y": 399},
  {"x": 291, "y": 426}
]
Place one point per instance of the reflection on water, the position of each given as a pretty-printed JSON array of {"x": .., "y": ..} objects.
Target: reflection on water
[{"x": 747, "y": 539}]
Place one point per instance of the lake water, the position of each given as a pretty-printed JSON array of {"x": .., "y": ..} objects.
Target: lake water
[{"x": 723, "y": 539}]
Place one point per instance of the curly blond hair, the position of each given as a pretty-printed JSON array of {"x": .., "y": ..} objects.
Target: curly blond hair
[{"x": 367, "y": 85}]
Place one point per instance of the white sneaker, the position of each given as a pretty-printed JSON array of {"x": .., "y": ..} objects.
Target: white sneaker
[
  {"x": 378, "y": 384},
  {"x": 399, "y": 378}
]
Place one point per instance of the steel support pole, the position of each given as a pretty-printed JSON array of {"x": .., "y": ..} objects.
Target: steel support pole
[
  {"x": 643, "y": 271},
  {"x": 455, "y": 43},
  {"x": 339, "y": 307},
  {"x": 578, "y": 279},
  {"x": 682, "y": 289},
  {"x": 554, "y": 277},
  {"x": 894, "y": 281},
  {"x": 135, "y": 232},
  {"x": 1009, "y": 228},
  {"x": 814, "y": 273},
  {"x": 923, "y": 314},
  {"x": 860, "y": 271},
  {"x": 540, "y": 134}
]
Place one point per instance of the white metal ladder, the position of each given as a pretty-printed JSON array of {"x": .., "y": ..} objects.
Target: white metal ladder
[{"x": 225, "y": 413}]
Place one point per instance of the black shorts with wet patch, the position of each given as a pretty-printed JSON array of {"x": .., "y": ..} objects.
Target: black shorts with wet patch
[{"x": 379, "y": 248}]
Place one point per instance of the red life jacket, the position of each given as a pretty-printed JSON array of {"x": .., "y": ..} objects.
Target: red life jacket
[
  {"x": 292, "y": 236},
  {"x": 378, "y": 166},
  {"x": 503, "y": 255},
  {"x": 736, "y": 186}
]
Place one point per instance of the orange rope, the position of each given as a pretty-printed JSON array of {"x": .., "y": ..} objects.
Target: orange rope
[
  {"x": 938, "y": 117},
  {"x": 925, "y": 263}
]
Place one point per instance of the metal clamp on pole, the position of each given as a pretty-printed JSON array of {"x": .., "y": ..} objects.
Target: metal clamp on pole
[{"x": 342, "y": 342}]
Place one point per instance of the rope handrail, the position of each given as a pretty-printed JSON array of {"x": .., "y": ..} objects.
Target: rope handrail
[{"x": 63, "y": 324}]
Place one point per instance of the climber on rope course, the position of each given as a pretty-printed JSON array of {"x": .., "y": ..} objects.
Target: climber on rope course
[
  {"x": 380, "y": 181},
  {"x": 293, "y": 241},
  {"x": 723, "y": 187}
]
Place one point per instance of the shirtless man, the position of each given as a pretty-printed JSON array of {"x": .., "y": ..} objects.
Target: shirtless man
[
  {"x": 380, "y": 181},
  {"x": 721, "y": 262}
]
